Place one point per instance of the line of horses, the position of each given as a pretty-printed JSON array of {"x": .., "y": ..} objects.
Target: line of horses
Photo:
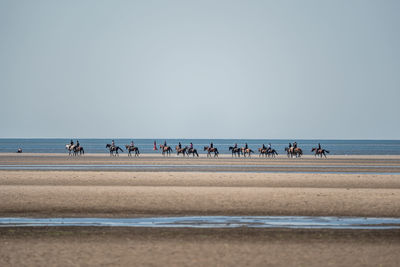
[{"x": 211, "y": 151}]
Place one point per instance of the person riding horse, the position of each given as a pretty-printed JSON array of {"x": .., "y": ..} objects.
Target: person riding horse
[
  {"x": 180, "y": 145},
  {"x": 112, "y": 144},
  {"x": 77, "y": 143},
  {"x": 191, "y": 147}
]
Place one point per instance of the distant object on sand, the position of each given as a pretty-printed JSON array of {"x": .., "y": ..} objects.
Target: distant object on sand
[{"x": 19, "y": 150}]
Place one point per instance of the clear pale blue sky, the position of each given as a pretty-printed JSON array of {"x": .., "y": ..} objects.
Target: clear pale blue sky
[{"x": 200, "y": 69}]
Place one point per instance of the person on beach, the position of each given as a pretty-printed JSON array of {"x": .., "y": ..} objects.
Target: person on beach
[
  {"x": 319, "y": 146},
  {"x": 77, "y": 143},
  {"x": 180, "y": 145},
  {"x": 165, "y": 142},
  {"x": 155, "y": 146},
  {"x": 211, "y": 145},
  {"x": 294, "y": 145},
  {"x": 246, "y": 146},
  {"x": 71, "y": 143},
  {"x": 235, "y": 145},
  {"x": 263, "y": 146},
  {"x": 112, "y": 143},
  {"x": 191, "y": 145},
  {"x": 269, "y": 147},
  {"x": 132, "y": 144}
]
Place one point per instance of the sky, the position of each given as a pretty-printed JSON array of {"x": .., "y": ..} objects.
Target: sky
[{"x": 200, "y": 69}]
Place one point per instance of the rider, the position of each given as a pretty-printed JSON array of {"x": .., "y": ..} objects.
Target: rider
[
  {"x": 180, "y": 145},
  {"x": 77, "y": 143},
  {"x": 132, "y": 144},
  {"x": 165, "y": 142},
  {"x": 155, "y": 145},
  {"x": 263, "y": 146},
  {"x": 246, "y": 146},
  {"x": 211, "y": 145},
  {"x": 112, "y": 143},
  {"x": 319, "y": 146},
  {"x": 71, "y": 143},
  {"x": 235, "y": 145},
  {"x": 294, "y": 145},
  {"x": 269, "y": 147},
  {"x": 191, "y": 145}
]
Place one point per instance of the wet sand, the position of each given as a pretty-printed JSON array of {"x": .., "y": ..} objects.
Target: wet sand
[
  {"x": 139, "y": 194},
  {"x": 197, "y": 247}
]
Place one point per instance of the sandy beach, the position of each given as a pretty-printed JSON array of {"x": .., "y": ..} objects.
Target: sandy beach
[{"x": 113, "y": 193}]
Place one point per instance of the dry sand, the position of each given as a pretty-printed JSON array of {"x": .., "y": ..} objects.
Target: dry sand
[{"x": 137, "y": 194}]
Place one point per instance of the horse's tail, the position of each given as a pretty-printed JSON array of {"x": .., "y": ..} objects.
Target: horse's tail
[
  {"x": 326, "y": 151},
  {"x": 119, "y": 149}
]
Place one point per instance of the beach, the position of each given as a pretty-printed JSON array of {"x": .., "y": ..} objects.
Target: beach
[{"x": 361, "y": 186}]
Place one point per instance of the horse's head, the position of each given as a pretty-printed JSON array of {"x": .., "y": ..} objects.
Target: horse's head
[
  {"x": 313, "y": 149},
  {"x": 205, "y": 148},
  {"x": 108, "y": 145}
]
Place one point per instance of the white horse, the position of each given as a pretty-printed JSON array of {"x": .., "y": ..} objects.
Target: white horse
[{"x": 70, "y": 148}]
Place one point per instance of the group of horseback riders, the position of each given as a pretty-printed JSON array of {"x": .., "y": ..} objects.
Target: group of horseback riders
[
  {"x": 74, "y": 149},
  {"x": 292, "y": 150}
]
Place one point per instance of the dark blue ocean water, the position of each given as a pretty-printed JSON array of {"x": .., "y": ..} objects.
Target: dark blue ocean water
[{"x": 336, "y": 147}]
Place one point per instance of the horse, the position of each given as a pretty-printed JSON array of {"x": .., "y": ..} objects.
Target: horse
[
  {"x": 297, "y": 152},
  {"x": 272, "y": 152},
  {"x": 181, "y": 150},
  {"x": 135, "y": 149},
  {"x": 235, "y": 151},
  {"x": 211, "y": 150},
  {"x": 70, "y": 148},
  {"x": 165, "y": 149},
  {"x": 113, "y": 149},
  {"x": 319, "y": 152},
  {"x": 192, "y": 151},
  {"x": 263, "y": 151},
  {"x": 246, "y": 151},
  {"x": 78, "y": 149}
]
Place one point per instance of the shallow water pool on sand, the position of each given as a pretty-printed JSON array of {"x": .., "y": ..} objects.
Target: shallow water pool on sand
[
  {"x": 293, "y": 222},
  {"x": 258, "y": 168}
]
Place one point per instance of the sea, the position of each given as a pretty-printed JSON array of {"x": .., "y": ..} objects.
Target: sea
[{"x": 335, "y": 147}]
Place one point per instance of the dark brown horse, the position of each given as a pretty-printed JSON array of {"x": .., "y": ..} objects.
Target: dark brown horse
[
  {"x": 272, "y": 153},
  {"x": 135, "y": 149},
  {"x": 78, "y": 149},
  {"x": 319, "y": 152},
  {"x": 211, "y": 150},
  {"x": 166, "y": 149},
  {"x": 235, "y": 151},
  {"x": 113, "y": 149},
  {"x": 192, "y": 151}
]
